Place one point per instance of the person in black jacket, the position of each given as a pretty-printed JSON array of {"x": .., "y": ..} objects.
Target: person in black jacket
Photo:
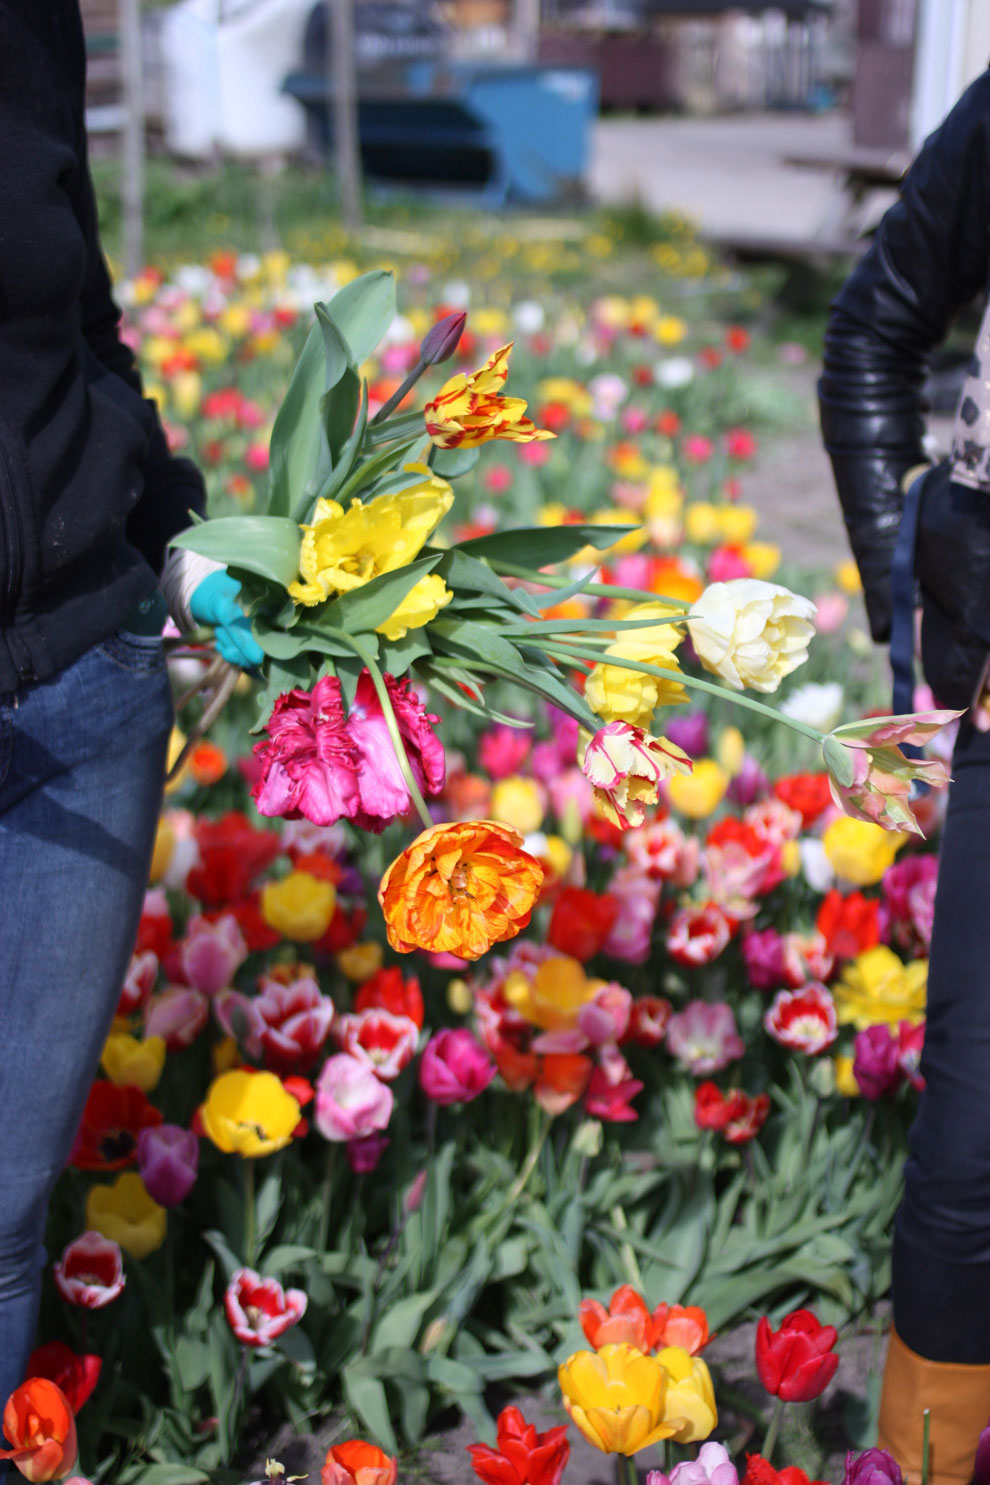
[
  {"x": 89, "y": 498},
  {"x": 930, "y": 258}
]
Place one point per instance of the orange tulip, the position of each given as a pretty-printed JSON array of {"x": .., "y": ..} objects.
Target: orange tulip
[
  {"x": 460, "y": 888},
  {"x": 39, "y": 1423},
  {"x": 629, "y": 1320},
  {"x": 626, "y": 1321},
  {"x": 681, "y": 1325},
  {"x": 358, "y": 1463},
  {"x": 561, "y": 1080}
]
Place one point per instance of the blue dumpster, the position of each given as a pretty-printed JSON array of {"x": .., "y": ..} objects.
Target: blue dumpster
[{"x": 505, "y": 133}]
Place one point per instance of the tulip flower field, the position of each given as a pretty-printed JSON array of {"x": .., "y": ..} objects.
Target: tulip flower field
[{"x": 519, "y": 1062}]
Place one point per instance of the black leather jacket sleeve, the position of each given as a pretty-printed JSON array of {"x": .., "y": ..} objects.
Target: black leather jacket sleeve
[
  {"x": 928, "y": 260},
  {"x": 173, "y": 486}
]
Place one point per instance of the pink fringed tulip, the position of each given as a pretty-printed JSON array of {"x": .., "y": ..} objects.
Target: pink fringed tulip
[
  {"x": 454, "y": 1068},
  {"x": 350, "y": 1100}
]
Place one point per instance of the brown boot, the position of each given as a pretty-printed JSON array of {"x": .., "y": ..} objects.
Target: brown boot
[{"x": 959, "y": 1401}]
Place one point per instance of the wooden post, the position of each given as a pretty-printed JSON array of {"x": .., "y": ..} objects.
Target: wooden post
[
  {"x": 342, "y": 90},
  {"x": 526, "y": 28},
  {"x": 132, "y": 134}
]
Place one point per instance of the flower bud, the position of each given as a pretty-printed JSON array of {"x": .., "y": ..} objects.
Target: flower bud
[{"x": 440, "y": 343}]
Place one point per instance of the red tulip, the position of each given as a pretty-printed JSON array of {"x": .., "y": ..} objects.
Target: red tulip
[
  {"x": 760, "y": 1471},
  {"x": 796, "y": 1363},
  {"x": 581, "y": 922},
  {"x": 521, "y": 1456},
  {"x": 75, "y": 1375}
]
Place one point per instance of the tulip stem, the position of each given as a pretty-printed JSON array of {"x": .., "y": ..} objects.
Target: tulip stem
[
  {"x": 626, "y": 1471},
  {"x": 735, "y": 698},
  {"x": 769, "y": 1443},
  {"x": 247, "y": 1168},
  {"x": 323, "y": 1232},
  {"x": 529, "y": 1164},
  {"x": 594, "y": 590},
  {"x": 399, "y": 393},
  {"x": 388, "y": 712}
]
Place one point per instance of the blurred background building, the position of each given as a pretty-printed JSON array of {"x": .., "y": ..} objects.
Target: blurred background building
[{"x": 542, "y": 101}]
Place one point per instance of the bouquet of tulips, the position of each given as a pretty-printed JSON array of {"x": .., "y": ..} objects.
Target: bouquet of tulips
[{"x": 358, "y": 606}]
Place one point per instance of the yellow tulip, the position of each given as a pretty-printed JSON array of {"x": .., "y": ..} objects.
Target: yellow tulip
[
  {"x": 126, "y": 1214},
  {"x": 847, "y": 577},
  {"x": 762, "y": 558},
  {"x": 518, "y": 802},
  {"x": 359, "y": 962},
  {"x": 845, "y": 1078},
  {"x": 670, "y": 330},
  {"x": 731, "y": 750},
  {"x": 701, "y": 522},
  {"x": 879, "y": 987},
  {"x": 616, "y": 1398},
  {"x": 860, "y": 851},
  {"x": 737, "y": 523},
  {"x": 699, "y": 793},
  {"x": 300, "y": 906},
  {"x": 249, "y": 1113},
  {"x": 689, "y": 1402},
  {"x": 164, "y": 850},
  {"x": 224, "y": 1055},
  {"x": 554, "y": 995},
  {"x": 343, "y": 550},
  {"x": 621, "y": 695},
  {"x": 137, "y": 1064}
]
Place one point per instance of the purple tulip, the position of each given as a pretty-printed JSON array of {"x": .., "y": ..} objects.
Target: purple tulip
[
  {"x": 364, "y": 1152},
  {"x": 876, "y": 1062},
  {"x": 749, "y": 784},
  {"x": 689, "y": 732},
  {"x": 872, "y": 1467},
  {"x": 168, "y": 1159},
  {"x": 441, "y": 341}
]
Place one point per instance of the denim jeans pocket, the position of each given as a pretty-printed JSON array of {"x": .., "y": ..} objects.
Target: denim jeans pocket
[{"x": 134, "y": 652}]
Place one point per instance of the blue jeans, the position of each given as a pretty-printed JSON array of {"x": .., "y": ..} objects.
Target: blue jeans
[
  {"x": 941, "y": 1256},
  {"x": 82, "y": 760}
]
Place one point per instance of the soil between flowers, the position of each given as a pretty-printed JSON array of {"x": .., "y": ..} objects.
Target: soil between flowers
[{"x": 814, "y": 1436}]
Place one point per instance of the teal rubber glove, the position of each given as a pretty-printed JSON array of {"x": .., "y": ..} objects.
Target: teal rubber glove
[{"x": 214, "y": 603}]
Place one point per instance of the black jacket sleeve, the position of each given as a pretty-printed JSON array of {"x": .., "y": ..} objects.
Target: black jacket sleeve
[
  {"x": 928, "y": 260},
  {"x": 172, "y": 486}
]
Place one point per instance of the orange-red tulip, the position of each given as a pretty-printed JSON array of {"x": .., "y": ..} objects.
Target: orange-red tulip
[
  {"x": 39, "y": 1423},
  {"x": 358, "y": 1463}
]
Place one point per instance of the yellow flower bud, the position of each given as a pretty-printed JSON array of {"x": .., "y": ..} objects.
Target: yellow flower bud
[{"x": 459, "y": 997}]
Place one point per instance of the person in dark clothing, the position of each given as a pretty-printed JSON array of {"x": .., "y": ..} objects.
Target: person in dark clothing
[
  {"x": 929, "y": 259},
  {"x": 89, "y": 498}
]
